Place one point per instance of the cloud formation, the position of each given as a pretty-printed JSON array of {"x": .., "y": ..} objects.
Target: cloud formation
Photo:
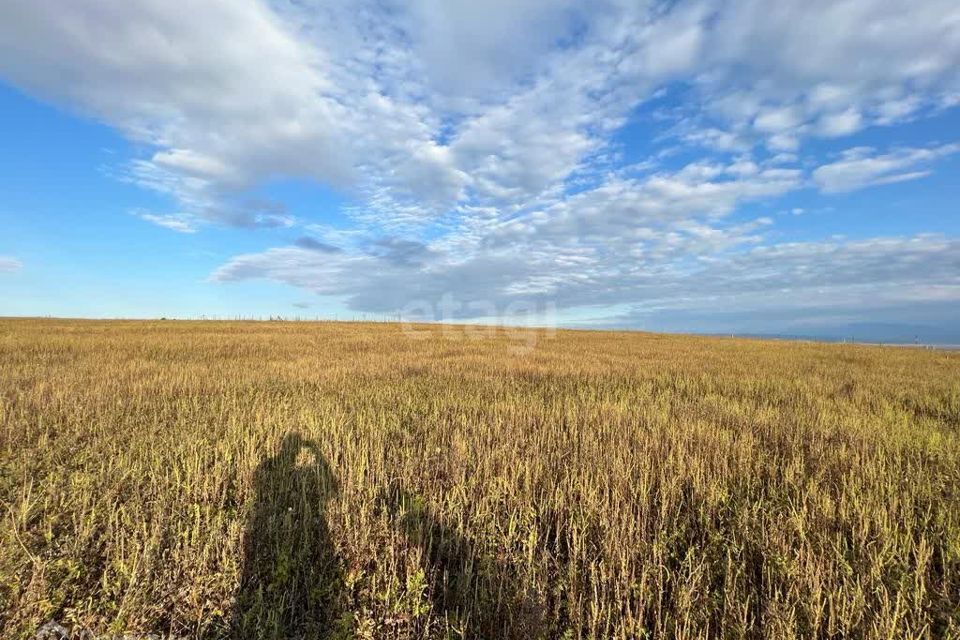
[
  {"x": 864, "y": 167},
  {"x": 452, "y": 107},
  {"x": 793, "y": 69},
  {"x": 478, "y": 142},
  {"x": 870, "y": 273},
  {"x": 9, "y": 265}
]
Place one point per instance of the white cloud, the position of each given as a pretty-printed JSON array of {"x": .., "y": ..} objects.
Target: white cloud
[
  {"x": 840, "y": 123},
  {"x": 229, "y": 92},
  {"x": 837, "y": 65},
  {"x": 469, "y": 49},
  {"x": 862, "y": 167},
  {"x": 821, "y": 273},
  {"x": 619, "y": 208},
  {"x": 460, "y": 104},
  {"x": 656, "y": 273},
  {"x": 9, "y": 265},
  {"x": 175, "y": 222},
  {"x": 591, "y": 247},
  {"x": 778, "y": 119},
  {"x": 495, "y": 124}
]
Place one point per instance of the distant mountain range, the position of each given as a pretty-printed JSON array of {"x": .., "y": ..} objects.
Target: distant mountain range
[{"x": 892, "y": 333}]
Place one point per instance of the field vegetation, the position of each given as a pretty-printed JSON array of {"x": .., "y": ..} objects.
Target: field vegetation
[{"x": 286, "y": 480}]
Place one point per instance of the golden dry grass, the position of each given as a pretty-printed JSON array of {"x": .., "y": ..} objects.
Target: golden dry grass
[{"x": 349, "y": 480}]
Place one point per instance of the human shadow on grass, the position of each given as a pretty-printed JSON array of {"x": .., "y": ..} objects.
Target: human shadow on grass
[
  {"x": 478, "y": 596},
  {"x": 291, "y": 583}
]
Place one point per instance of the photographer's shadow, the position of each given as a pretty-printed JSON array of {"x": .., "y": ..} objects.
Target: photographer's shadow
[{"x": 291, "y": 580}]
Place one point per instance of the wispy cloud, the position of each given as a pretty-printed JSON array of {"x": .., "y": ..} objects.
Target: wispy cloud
[
  {"x": 886, "y": 271},
  {"x": 182, "y": 223},
  {"x": 9, "y": 265},
  {"x": 864, "y": 167}
]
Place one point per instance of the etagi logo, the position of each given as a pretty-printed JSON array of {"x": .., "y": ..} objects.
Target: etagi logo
[{"x": 522, "y": 323}]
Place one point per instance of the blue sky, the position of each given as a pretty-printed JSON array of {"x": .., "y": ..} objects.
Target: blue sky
[{"x": 681, "y": 166}]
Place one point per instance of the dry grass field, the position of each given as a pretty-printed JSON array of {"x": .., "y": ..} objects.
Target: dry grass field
[{"x": 286, "y": 480}]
